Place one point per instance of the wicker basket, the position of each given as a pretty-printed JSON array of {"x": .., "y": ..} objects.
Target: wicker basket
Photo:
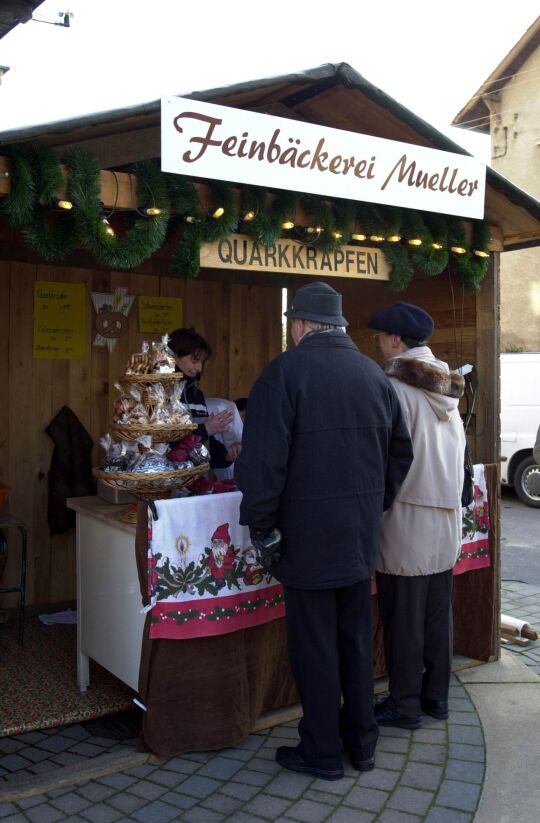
[
  {"x": 159, "y": 433},
  {"x": 152, "y": 484},
  {"x": 169, "y": 377}
]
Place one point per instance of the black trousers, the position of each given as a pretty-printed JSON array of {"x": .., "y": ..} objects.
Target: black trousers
[
  {"x": 417, "y": 627},
  {"x": 330, "y": 648}
]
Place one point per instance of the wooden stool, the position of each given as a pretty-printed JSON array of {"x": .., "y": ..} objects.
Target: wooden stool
[{"x": 9, "y": 522}]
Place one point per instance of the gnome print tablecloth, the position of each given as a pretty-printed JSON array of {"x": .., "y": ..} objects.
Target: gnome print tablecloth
[
  {"x": 474, "y": 552},
  {"x": 203, "y": 575}
]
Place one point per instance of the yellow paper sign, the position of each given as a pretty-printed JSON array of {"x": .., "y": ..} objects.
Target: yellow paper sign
[
  {"x": 160, "y": 314},
  {"x": 59, "y": 320}
]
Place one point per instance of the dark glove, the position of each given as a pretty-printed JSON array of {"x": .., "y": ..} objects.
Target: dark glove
[{"x": 267, "y": 542}]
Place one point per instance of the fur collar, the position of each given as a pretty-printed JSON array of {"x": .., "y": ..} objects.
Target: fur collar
[{"x": 424, "y": 376}]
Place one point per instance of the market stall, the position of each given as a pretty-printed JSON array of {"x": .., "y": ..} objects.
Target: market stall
[{"x": 192, "y": 269}]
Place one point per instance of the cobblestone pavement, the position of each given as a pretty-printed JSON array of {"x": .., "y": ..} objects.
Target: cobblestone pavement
[
  {"x": 434, "y": 774},
  {"x": 522, "y": 600}
]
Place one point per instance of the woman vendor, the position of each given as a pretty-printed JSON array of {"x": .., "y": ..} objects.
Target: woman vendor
[{"x": 191, "y": 352}]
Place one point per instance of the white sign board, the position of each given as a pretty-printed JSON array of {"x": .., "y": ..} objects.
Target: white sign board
[{"x": 223, "y": 143}]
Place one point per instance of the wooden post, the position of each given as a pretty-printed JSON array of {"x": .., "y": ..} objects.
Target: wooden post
[{"x": 487, "y": 435}]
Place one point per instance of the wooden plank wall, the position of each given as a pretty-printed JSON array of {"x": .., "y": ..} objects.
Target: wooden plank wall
[{"x": 241, "y": 323}]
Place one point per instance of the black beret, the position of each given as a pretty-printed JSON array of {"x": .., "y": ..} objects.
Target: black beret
[{"x": 404, "y": 319}]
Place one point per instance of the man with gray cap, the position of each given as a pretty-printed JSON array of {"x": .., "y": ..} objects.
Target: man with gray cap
[
  {"x": 324, "y": 451},
  {"x": 421, "y": 532}
]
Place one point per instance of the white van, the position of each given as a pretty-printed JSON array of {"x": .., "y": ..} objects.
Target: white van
[{"x": 520, "y": 419}]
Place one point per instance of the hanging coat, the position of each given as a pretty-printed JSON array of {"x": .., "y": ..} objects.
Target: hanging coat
[{"x": 70, "y": 474}]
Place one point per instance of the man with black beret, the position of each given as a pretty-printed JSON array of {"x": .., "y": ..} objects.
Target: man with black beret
[
  {"x": 324, "y": 450},
  {"x": 421, "y": 532}
]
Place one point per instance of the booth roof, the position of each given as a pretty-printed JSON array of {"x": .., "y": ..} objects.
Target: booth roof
[
  {"x": 13, "y": 12},
  {"x": 332, "y": 95}
]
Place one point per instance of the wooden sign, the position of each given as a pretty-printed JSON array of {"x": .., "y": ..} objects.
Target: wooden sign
[
  {"x": 59, "y": 320},
  {"x": 160, "y": 314},
  {"x": 202, "y": 139},
  {"x": 240, "y": 253}
]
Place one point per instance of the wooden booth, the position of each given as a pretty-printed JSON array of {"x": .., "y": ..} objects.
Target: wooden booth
[{"x": 234, "y": 298}]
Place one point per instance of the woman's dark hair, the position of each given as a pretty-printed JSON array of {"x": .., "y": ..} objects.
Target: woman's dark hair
[{"x": 187, "y": 341}]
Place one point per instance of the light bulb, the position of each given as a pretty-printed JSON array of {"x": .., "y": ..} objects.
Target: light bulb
[
  {"x": 358, "y": 237},
  {"x": 64, "y": 204},
  {"x": 188, "y": 218},
  {"x": 217, "y": 213},
  {"x": 314, "y": 229},
  {"x": 108, "y": 228},
  {"x": 414, "y": 241},
  {"x": 437, "y": 246},
  {"x": 394, "y": 238},
  {"x": 480, "y": 253},
  {"x": 248, "y": 216},
  {"x": 287, "y": 224},
  {"x": 152, "y": 211},
  {"x": 377, "y": 238},
  {"x": 458, "y": 250},
  {"x": 337, "y": 235}
]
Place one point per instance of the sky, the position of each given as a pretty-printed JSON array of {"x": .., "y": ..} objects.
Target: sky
[{"x": 429, "y": 56}]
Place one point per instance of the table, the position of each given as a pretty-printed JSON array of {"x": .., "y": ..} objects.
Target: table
[{"x": 109, "y": 618}]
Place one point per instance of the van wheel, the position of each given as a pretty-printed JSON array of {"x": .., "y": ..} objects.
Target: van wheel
[{"x": 527, "y": 482}]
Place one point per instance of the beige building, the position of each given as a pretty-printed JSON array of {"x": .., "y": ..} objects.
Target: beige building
[{"x": 507, "y": 107}]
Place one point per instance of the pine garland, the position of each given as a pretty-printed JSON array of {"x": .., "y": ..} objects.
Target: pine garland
[
  {"x": 18, "y": 205},
  {"x": 142, "y": 240},
  {"x": 36, "y": 179}
]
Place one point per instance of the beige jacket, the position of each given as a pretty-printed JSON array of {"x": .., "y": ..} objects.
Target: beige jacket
[{"x": 421, "y": 532}]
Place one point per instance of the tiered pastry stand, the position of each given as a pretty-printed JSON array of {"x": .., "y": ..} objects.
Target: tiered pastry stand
[{"x": 149, "y": 486}]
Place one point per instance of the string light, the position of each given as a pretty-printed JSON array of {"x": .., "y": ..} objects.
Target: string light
[
  {"x": 337, "y": 235},
  {"x": 108, "y": 228},
  {"x": 414, "y": 241},
  {"x": 377, "y": 238},
  {"x": 217, "y": 213},
  {"x": 287, "y": 224},
  {"x": 480, "y": 253},
  {"x": 358, "y": 236},
  {"x": 188, "y": 218},
  {"x": 458, "y": 250},
  {"x": 106, "y": 225},
  {"x": 314, "y": 229},
  {"x": 64, "y": 204},
  {"x": 151, "y": 211},
  {"x": 394, "y": 238},
  {"x": 437, "y": 246},
  {"x": 248, "y": 216}
]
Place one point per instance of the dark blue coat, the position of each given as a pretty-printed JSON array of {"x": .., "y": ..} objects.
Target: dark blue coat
[{"x": 324, "y": 451}]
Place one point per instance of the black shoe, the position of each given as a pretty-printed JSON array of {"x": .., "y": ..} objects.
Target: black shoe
[
  {"x": 435, "y": 708},
  {"x": 290, "y": 758},
  {"x": 362, "y": 765},
  {"x": 387, "y": 715}
]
